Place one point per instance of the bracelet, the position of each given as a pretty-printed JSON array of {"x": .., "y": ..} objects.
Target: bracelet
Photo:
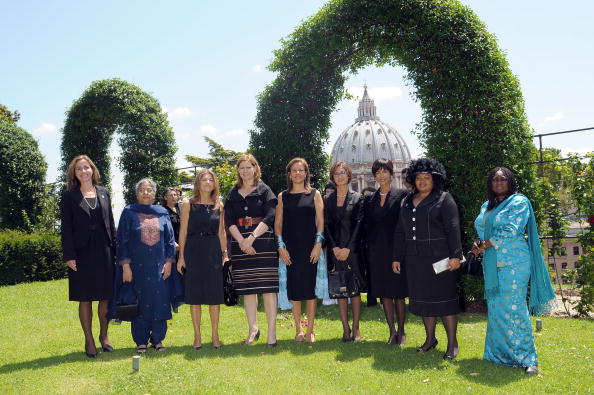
[
  {"x": 320, "y": 237},
  {"x": 280, "y": 243},
  {"x": 253, "y": 234}
]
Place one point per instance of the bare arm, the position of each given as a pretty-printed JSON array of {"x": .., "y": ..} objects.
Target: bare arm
[
  {"x": 223, "y": 236},
  {"x": 278, "y": 230},
  {"x": 183, "y": 234},
  {"x": 319, "y": 206}
]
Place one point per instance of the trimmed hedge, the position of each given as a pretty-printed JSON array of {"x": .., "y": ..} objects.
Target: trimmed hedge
[{"x": 28, "y": 257}]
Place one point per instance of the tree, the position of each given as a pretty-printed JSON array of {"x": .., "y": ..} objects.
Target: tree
[
  {"x": 147, "y": 141},
  {"x": 22, "y": 178},
  {"x": 9, "y": 116}
]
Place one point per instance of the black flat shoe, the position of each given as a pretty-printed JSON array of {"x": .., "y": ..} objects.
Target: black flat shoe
[
  {"x": 271, "y": 344},
  {"x": 449, "y": 357},
  {"x": 531, "y": 370},
  {"x": 196, "y": 347},
  {"x": 346, "y": 338},
  {"x": 247, "y": 341},
  {"x": 106, "y": 347},
  {"x": 431, "y": 346}
]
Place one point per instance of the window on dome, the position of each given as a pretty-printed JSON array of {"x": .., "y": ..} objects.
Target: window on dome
[
  {"x": 383, "y": 146},
  {"x": 368, "y": 146},
  {"x": 367, "y": 132},
  {"x": 354, "y": 147}
]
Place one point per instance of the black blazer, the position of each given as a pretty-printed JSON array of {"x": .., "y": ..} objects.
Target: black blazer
[
  {"x": 430, "y": 229},
  {"x": 343, "y": 233},
  {"x": 76, "y": 218},
  {"x": 388, "y": 225}
]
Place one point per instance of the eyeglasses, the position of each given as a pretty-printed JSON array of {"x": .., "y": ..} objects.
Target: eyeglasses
[
  {"x": 340, "y": 173},
  {"x": 150, "y": 191}
]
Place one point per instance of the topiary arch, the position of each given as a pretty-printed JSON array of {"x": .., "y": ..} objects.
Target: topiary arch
[
  {"x": 145, "y": 137},
  {"x": 22, "y": 178},
  {"x": 473, "y": 111}
]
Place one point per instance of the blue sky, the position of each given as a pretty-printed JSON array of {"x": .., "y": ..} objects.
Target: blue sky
[{"x": 205, "y": 61}]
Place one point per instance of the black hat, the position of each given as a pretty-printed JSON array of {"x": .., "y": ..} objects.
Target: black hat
[{"x": 424, "y": 165}]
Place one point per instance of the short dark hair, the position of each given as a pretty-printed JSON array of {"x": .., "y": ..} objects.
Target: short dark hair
[
  {"x": 382, "y": 163},
  {"x": 512, "y": 185},
  {"x": 330, "y": 186}
]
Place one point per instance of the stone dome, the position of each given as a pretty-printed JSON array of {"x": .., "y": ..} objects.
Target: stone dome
[{"x": 369, "y": 138}]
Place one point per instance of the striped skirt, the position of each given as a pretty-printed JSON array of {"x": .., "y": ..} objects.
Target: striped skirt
[{"x": 255, "y": 274}]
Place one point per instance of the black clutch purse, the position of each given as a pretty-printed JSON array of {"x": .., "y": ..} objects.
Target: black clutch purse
[
  {"x": 473, "y": 265},
  {"x": 228, "y": 289},
  {"x": 342, "y": 282},
  {"x": 127, "y": 312}
]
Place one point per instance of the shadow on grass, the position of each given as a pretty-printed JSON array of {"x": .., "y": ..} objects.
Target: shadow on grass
[{"x": 384, "y": 357}]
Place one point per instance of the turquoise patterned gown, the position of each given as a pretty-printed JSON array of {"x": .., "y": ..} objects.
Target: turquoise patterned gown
[{"x": 509, "y": 339}]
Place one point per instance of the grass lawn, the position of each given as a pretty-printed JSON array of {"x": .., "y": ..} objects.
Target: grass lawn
[{"x": 41, "y": 351}]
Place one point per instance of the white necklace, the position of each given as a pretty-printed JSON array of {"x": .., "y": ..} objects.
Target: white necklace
[
  {"x": 341, "y": 196},
  {"x": 384, "y": 194},
  {"x": 87, "y": 202}
]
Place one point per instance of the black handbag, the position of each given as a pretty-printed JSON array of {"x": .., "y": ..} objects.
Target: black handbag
[
  {"x": 127, "y": 312},
  {"x": 342, "y": 282},
  {"x": 228, "y": 289},
  {"x": 473, "y": 265}
]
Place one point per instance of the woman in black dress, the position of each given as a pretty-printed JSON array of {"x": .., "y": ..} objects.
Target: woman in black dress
[
  {"x": 343, "y": 214},
  {"x": 381, "y": 216},
  {"x": 299, "y": 227},
  {"x": 171, "y": 203},
  {"x": 249, "y": 215},
  {"x": 88, "y": 239},
  {"x": 429, "y": 232},
  {"x": 203, "y": 252}
]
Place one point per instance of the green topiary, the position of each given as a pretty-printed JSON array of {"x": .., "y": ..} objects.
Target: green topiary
[
  {"x": 28, "y": 257},
  {"x": 145, "y": 137},
  {"x": 22, "y": 178},
  {"x": 473, "y": 111}
]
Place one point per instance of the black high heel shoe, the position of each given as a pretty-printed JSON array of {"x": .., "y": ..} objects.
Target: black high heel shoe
[
  {"x": 90, "y": 354},
  {"x": 431, "y": 346},
  {"x": 346, "y": 338},
  {"x": 247, "y": 341},
  {"x": 106, "y": 347},
  {"x": 449, "y": 356}
]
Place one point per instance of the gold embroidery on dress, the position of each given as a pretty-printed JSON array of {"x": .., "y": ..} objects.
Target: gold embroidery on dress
[{"x": 150, "y": 232}]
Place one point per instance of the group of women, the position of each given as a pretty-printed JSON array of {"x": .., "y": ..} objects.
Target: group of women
[{"x": 397, "y": 244}]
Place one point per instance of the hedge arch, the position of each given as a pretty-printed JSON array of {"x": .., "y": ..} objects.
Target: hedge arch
[
  {"x": 145, "y": 137},
  {"x": 473, "y": 110},
  {"x": 22, "y": 178}
]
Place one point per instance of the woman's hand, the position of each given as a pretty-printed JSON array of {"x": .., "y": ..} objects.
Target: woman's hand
[
  {"x": 246, "y": 245},
  {"x": 71, "y": 264},
  {"x": 337, "y": 253},
  {"x": 345, "y": 252},
  {"x": 225, "y": 259},
  {"x": 127, "y": 273},
  {"x": 315, "y": 253},
  {"x": 181, "y": 265},
  {"x": 476, "y": 248},
  {"x": 284, "y": 256},
  {"x": 166, "y": 270},
  {"x": 453, "y": 264},
  {"x": 396, "y": 267}
]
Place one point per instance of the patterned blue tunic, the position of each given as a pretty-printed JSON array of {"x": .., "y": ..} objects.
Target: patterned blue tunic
[{"x": 509, "y": 339}]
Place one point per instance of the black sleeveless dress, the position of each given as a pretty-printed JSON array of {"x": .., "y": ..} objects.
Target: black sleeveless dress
[
  {"x": 203, "y": 278},
  {"x": 299, "y": 234},
  {"x": 93, "y": 279}
]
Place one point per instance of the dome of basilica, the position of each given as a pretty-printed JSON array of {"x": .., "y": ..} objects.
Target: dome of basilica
[{"x": 367, "y": 140}]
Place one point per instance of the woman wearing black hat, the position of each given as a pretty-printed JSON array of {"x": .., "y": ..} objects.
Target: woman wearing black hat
[{"x": 429, "y": 232}]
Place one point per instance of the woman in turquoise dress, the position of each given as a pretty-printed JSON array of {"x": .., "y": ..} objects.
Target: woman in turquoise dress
[
  {"x": 512, "y": 261},
  {"x": 146, "y": 252}
]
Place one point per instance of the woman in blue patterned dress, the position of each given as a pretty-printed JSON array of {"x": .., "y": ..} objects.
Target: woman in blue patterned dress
[
  {"x": 511, "y": 262},
  {"x": 146, "y": 251}
]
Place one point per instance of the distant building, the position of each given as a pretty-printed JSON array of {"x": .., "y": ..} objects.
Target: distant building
[
  {"x": 572, "y": 250},
  {"x": 369, "y": 139}
]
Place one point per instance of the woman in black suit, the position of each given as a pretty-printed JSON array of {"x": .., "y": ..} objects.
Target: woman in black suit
[
  {"x": 343, "y": 213},
  {"x": 429, "y": 232},
  {"x": 381, "y": 216},
  {"x": 88, "y": 241}
]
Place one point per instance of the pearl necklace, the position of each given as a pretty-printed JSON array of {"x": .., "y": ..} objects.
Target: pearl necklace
[{"x": 96, "y": 200}]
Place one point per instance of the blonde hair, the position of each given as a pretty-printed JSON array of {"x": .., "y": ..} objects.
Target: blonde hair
[
  {"x": 71, "y": 179},
  {"x": 214, "y": 194},
  {"x": 252, "y": 159},
  {"x": 305, "y": 167}
]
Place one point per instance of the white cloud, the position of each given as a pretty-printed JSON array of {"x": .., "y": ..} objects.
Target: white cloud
[
  {"x": 235, "y": 132},
  {"x": 378, "y": 94},
  {"x": 559, "y": 115},
  {"x": 208, "y": 129},
  {"x": 257, "y": 68},
  {"x": 45, "y": 128},
  {"x": 178, "y": 112}
]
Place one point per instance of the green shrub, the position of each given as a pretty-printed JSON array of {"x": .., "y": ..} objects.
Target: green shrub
[{"x": 30, "y": 257}]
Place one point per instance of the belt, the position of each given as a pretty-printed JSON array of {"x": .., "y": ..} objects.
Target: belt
[
  {"x": 203, "y": 234},
  {"x": 248, "y": 221}
]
